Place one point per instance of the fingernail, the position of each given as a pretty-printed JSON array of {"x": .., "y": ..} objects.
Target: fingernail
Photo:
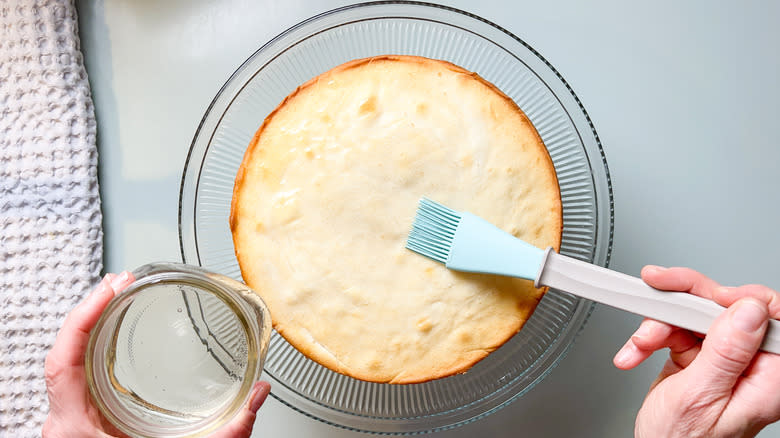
[
  {"x": 102, "y": 287},
  {"x": 643, "y": 330},
  {"x": 749, "y": 315},
  {"x": 721, "y": 292},
  {"x": 622, "y": 356},
  {"x": 120, "y": 280},
  {"x": 655, "y": 268},
  {"x": 255, "y": 402},
  {"x": 258, "y": 397}
]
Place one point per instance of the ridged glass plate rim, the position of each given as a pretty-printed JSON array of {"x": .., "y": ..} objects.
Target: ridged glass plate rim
[{"x": 232, "y": 88}]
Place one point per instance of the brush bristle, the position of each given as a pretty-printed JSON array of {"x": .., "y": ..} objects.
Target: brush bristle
[{"x": 433, "y": 230}]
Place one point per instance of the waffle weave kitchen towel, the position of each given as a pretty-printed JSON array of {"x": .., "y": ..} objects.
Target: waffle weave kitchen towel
[{"x": 50, "y": 219}]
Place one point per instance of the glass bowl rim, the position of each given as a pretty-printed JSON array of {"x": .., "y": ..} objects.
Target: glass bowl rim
[{"x": 608, "y": 243}]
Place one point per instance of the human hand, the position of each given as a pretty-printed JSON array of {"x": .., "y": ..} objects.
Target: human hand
[
  {"x": 721, "y": 386},
  {"x": 71, "y": 410}
]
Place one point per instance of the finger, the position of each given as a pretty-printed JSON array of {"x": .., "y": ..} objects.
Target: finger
[
  {"x": 84, "y": 316},
  {"x": 241, "y": 426},
  {"x": 652, "y": 336},
  {"x": 633, "y": 353},
  {"x": 726, "y": 296},
  {"x": 260, "y": 393},
  {"x": 629, "y": 356},
  {"x": 655, "y": 335},
  {"x": 679, "y": 279},
  {"x": 121, "y": 281},
  {"x": 731, "y": 343},
  {"x": 72, "y": 339},
  {"x": 71, "y": 342}
]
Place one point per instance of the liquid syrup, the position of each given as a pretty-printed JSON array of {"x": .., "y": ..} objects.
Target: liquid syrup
[{"x": 179, "y": 353}]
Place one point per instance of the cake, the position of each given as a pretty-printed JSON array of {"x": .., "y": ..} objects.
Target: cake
[{"x": 326, "y": 195}]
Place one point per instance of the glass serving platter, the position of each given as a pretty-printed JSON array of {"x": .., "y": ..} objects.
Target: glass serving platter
[{"x": 332, "y": 38}]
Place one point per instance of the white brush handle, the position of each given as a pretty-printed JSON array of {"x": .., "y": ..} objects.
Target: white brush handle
[{"x": 634, "y": 295}]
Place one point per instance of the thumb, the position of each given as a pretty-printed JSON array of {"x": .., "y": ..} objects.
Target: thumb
[
  {"x": 241, "y": 426},
  {"x": 730, "y": 345}
]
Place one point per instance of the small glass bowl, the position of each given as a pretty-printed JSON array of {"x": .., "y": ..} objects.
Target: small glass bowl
[{"x": 177, "y": 352}]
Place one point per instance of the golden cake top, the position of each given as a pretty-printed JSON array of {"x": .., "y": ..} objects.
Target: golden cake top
[{"x": 326, "y": 196}]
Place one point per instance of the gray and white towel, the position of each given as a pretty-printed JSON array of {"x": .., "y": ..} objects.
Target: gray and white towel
[{"x": 50, "y": 218}]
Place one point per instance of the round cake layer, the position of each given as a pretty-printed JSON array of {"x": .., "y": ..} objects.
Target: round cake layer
[{"x": 326, "y": 195}]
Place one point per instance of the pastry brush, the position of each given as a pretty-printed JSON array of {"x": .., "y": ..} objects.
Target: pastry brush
[{"x": 465, "y": 242}]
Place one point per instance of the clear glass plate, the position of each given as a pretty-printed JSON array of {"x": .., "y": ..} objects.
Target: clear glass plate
[{"x": 325, "y": 41}]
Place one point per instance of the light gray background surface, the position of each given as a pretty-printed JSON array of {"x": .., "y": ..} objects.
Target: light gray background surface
[{"x": 685, "y": 97}]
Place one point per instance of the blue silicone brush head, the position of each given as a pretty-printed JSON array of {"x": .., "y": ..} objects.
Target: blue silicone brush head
[
  {"x": 465, "y": 242},
  {"x": 433, "y": 230}
]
